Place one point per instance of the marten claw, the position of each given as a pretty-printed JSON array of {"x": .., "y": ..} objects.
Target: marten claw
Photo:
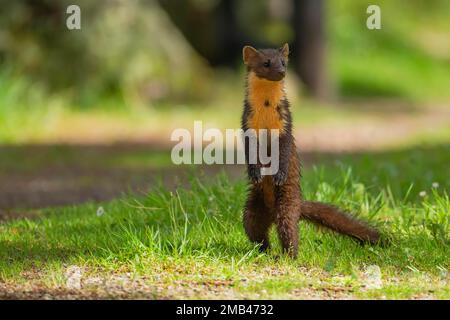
[
  {"x": 256, "y": 179},
  {"x": 280, "y": 178},
  {"x": 254, "y": 174}
]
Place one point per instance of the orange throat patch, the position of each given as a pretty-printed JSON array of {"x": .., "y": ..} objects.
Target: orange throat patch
[{"x": 264, "y": 97}]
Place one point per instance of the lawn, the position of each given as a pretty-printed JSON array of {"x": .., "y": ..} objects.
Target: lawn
[{"x": 190, "y": 243}]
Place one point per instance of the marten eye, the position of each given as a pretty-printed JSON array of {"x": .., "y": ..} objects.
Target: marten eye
[
  {"x": 283, "y": 63},
  {"x": 267, "y": 64}
]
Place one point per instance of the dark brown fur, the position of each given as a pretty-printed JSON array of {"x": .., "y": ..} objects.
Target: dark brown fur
[{"x": 277, "y": 199}]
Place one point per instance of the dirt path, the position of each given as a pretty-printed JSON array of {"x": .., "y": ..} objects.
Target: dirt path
[{"x": 373, "y": 134}]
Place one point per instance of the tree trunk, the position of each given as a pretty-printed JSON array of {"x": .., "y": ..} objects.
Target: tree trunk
[{"x": 309, "y": 46}]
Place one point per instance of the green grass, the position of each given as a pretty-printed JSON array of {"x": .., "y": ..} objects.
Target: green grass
[{"x": 190, "y": 243}]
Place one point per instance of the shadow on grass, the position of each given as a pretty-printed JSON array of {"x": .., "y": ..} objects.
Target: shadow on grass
[{"x": 36, "y": 176}]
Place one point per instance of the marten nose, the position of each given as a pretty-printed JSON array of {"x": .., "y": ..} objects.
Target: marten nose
[{"x": 281, "y": 72}]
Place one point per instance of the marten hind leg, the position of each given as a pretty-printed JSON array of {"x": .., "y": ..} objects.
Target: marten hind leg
[
  {"x": 287, "y": 216},
  {"x": 257, "y": 219}
]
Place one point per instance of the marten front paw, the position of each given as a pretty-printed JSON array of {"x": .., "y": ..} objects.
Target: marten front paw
[
  {"x": 280, "y": 178},
  {"x": 254, "y": 174}
]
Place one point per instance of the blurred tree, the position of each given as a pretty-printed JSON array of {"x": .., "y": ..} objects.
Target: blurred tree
[
  {"x": 212, "y": 27},
  {"x": 125, "y": 49},
  {"x": 309, "y": 46},
  {"x": 130, "y": 48},
  {"x": 228, "y": 33},
  {"x": 38, "y": 44},
  {"x": 219, "y": 29}
]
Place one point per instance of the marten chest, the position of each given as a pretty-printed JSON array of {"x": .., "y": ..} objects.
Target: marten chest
[{"x": 265, "y": 98}]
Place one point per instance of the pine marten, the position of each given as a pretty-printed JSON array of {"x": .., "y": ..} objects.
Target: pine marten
[{"x": 277, "y": 198}]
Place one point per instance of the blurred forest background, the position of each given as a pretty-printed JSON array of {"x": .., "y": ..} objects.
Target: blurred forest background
[{"x": 138, "y": 69}]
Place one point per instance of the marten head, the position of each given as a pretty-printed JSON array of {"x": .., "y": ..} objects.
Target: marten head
[{"x": 268, "y": 64}]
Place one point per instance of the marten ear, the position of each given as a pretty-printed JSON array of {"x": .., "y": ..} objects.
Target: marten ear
[
  {"x": 285, "y": 50},
  {"x": 249, "y": 53}
]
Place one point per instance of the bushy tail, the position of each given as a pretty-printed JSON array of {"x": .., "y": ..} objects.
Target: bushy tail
[{"x": 334, "y": 219}]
